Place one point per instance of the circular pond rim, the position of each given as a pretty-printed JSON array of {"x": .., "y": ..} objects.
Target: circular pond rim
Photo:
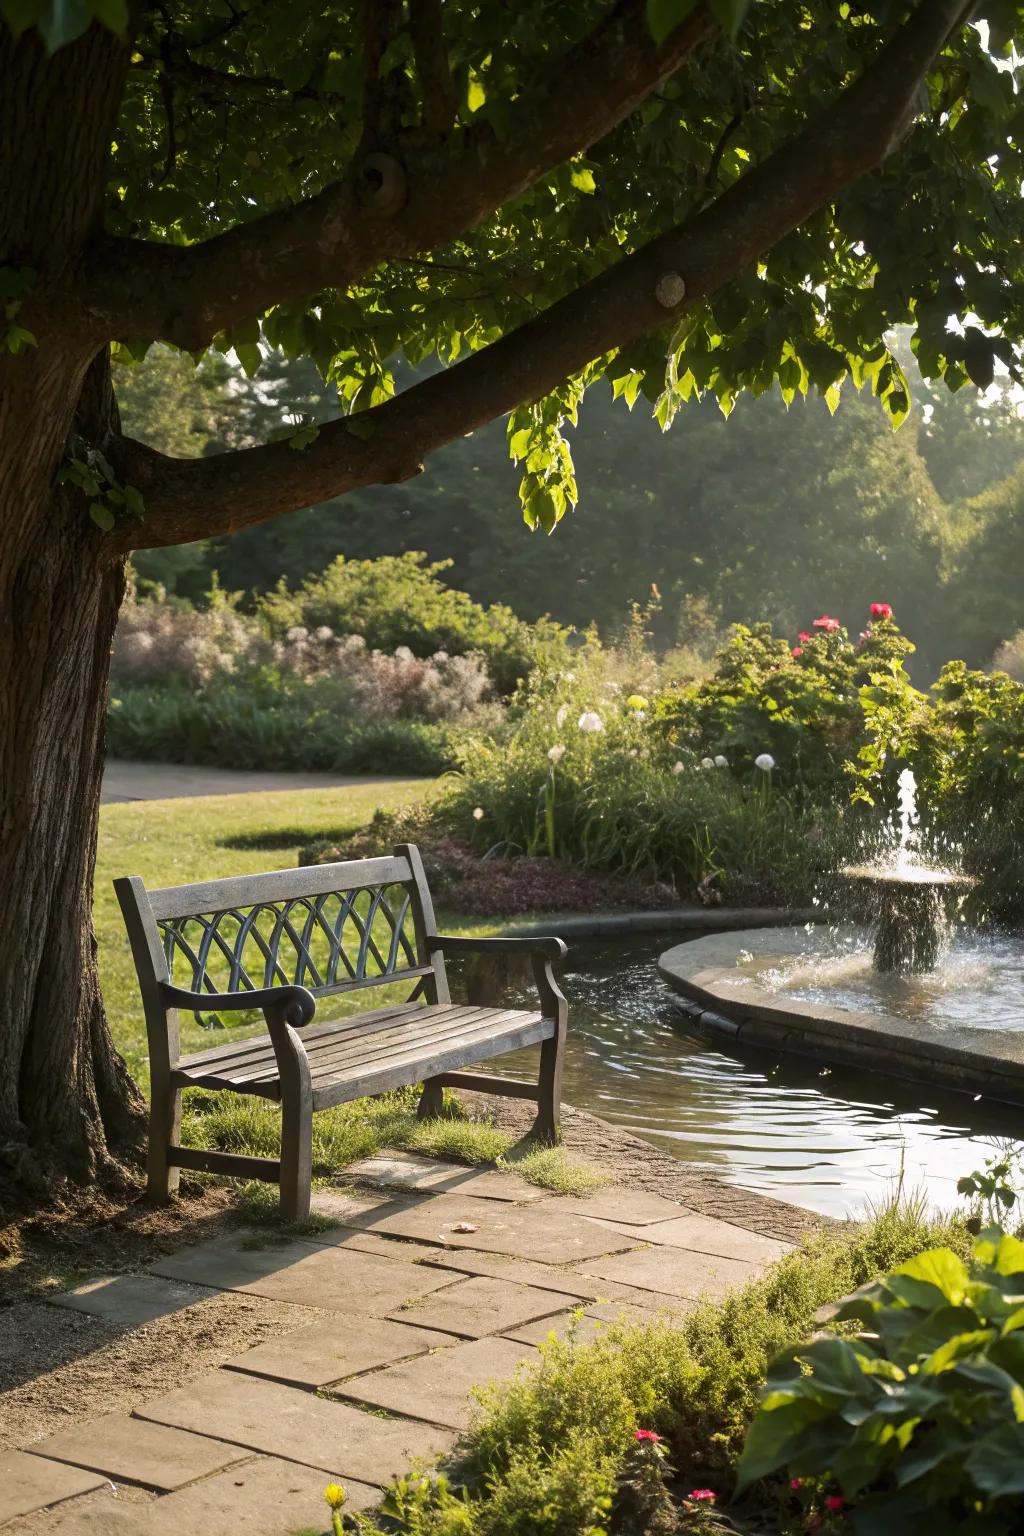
[{"x": 972, "y": 1060}]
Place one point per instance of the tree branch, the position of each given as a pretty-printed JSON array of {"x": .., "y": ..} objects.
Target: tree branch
[
  {"x": 426, "y": 27},
  {"x": 186, "y": 294},
  {"x": 190, "y": 499}
]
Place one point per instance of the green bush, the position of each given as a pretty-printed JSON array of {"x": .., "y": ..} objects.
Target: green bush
[
  {"x": 402, "y": 600},
  {"x": 920, "y": 1418},
  {"x": 248, "y": 728}
]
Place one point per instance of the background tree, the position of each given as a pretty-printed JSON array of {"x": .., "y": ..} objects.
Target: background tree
[{"x": 540, "y": 198}]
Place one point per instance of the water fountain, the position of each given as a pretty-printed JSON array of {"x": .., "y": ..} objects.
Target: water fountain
[
  {"x": 911, "y": 921},
  {"x": 909, "y": 992}
]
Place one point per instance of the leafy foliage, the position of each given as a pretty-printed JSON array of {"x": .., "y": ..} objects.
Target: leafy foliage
[{"x": 920, "y": 1415}]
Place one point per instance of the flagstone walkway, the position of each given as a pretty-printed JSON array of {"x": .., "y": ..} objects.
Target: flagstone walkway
[{"x": 433, "y": 1279}]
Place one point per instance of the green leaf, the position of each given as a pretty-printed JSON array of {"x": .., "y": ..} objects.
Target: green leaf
[
  {"x": 250, "y": 357},
  {"x": 663, "y": 16},
  {"x": 938, "y": 1268},
  {"x": 730, "y": 14},
  {"x": 979, "y": 357},
  {"x": 101, "y": 515},
  {"x": 776, "y": 1433},
  {"x": 582, "y": 179},
  {"x": 996, "y": 1462}
]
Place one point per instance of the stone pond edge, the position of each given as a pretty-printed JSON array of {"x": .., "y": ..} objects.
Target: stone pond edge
[{"x": 977, "y": 1061}]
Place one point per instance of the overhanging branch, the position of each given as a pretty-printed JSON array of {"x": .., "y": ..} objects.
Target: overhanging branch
[
  {"x": 190, "y": 499},
  {"x": 186, "y": 294}
]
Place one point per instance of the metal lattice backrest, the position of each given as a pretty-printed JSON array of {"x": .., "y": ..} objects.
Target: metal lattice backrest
[{"x": 328, "y": 943}]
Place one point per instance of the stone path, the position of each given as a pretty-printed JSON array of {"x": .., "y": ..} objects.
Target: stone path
[
  {"x": 434, "y": 1279},
  {"x": 124, "y": 780}
]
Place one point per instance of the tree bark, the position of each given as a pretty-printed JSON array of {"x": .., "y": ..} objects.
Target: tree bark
[{"x": 65, "y": 1096}]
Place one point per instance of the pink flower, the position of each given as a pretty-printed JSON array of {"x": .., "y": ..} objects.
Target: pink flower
[
  {"x": 797, "y": 650},
  {"x": 803, "y": 637},
  {"x": 826, "y": 623},
  {"x": 833, "y": 1503},
  {"x": 881, "y": 610},
  {"x": 703, "y": 1495},
  {"x": 796, "y": 1482},
  {"x": 647, "y": 1434}
]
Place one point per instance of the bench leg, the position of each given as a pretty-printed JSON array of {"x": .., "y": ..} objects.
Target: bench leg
[
  {"x": 548, "y": 1124},
  {"x": 164, "y": 1132},
  {"x": 431, "y": 1100},
  {"x": 296, "y": 1157}
]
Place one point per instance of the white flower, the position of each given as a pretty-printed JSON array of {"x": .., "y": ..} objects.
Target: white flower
[
  {"x": 765, "y": 762},
  {"x": 562, "y": 716},
  {"x": 478, "y": 814},
  {"x": 556, "y": 753},
  {"x": 645, "y": 751},
  {"x": 296, "y": 633},
  {"x": 640, "y": 714},
  {"x": 721, "y": 762},
  {"x": 707, "y": 762},
  {"x": 570, "y": 677},
  {"x": 590, "y": 722},
  {"x": 325, "y": 632},
  {"x": 632, "y": 751},
  {"x": 677, "y": 767}
]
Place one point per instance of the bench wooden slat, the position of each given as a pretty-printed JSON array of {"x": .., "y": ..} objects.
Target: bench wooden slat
[
  {"x": 400, "y": 1074},
  {"x": 276, "y": 885},
  {"x": 251, "y": 1045},
  {"x": 261, "y": 1063},
  {"x": 427, "y": 1036}
]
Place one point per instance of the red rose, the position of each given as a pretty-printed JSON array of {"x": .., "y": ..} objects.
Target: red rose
[
  {"x": 647, "y": 1434},
  {"x": 803, "y": 637},
  {"x": 797, "y": 650},
  {"x": 826, "y": 623},
  {"x": 833, "y": 1503},
  {"x": 881, "y": 610}
]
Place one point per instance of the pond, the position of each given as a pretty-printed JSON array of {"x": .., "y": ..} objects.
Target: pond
[{"x": 830, "y": 1139}]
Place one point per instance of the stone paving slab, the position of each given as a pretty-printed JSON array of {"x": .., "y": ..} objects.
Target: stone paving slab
[
  {"x": 336, "y": 1279},
  {"x": 439, "y": 1387},
  {"x": 481, "y": 1305},
  {"x": 314, "y": 1356},
  {"x": 299, "y": 1426},
  {"x": 28, "y": 1483},
  {"x": 129, "y": 1301},
  {"x": 676, "y": 1271},
  {"x": 705, "y": 1234},
  {"x": 268, "y": 1497},
  {"x": 409, "y": 1172},
  {"x": 550, "y": 1236},
  {"x": 132, "y": 1450},
  {"x": 629, "y": 1207},
  {"x": 584, "y": 1324},
  {"x": 546, "y": 1277}
]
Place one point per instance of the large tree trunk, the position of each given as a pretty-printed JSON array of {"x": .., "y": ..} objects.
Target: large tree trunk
[{"x": 65, "y": 1095}]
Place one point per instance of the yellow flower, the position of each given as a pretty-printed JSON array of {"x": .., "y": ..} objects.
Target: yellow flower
[
  {"x": 335, "y": 1495},
  {"x": 636, "y": 701}
]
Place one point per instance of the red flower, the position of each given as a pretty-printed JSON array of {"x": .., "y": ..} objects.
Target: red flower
[
  {"x": 827, "y": 624},
  {"x": 803, "y": 636},
  {"x": 647, "y": 1434},
  {"x": 833, "y": 1503},
  {"x": 881, "y": 610},
  {"x": 703, "y": 1495},
  {"x": 796, "y": 1482},
  {"x": 797, "y": 650}
]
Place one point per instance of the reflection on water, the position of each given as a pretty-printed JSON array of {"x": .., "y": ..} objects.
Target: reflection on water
[
  {"x": 978, "y": 982},
  {"x": 828, "y": 1139}
]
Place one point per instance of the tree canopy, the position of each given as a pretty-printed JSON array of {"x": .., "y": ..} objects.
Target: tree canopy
[{"x": 540, "y": 199}]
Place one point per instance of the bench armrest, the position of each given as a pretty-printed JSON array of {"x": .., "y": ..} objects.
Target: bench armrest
[
  {"x": 456, "y": 944},
  {"x": 539, "y": 951},
  {"x": 292, "y": 1005}
]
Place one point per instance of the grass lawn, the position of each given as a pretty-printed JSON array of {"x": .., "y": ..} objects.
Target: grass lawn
[{"x": 173, "y": 842}]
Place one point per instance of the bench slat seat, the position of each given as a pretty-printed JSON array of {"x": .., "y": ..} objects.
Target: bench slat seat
[
  {"x": 374, "y": 1052},
  {"x": 289, "y": 941}
]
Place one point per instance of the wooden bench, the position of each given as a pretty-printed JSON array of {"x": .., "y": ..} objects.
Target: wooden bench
[{"x": 281, "y": 942}]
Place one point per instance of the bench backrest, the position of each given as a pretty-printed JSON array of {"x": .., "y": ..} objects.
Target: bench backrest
[{"x": 329, "y": 927}]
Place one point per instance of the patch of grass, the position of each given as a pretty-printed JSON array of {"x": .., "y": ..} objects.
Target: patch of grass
[{"x": 231, "y": 1122}]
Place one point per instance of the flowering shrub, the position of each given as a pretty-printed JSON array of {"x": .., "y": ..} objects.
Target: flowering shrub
[{"x": 162, "y": 643}]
